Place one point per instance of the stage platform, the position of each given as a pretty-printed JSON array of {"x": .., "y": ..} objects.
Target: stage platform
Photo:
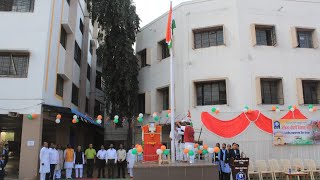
[{"x": 200, "y": 170}]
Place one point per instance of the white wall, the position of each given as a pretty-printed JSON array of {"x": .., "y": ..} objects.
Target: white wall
[
  {"x": 20, "y": 32},
  {"x": 238, "y": 61}
]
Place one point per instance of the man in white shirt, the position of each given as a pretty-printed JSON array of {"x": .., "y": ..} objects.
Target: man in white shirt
[
  {"x": 44, "y": 162},
  {"x": 54, "y": 159},
  {"x": 121, "y": 154},
  {"x": 111, "y": 159},
  {"x": 101, "y": 161},
  {"x": 176, "y": 138}
]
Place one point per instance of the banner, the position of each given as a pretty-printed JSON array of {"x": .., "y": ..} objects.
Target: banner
[{"x": 296, "y": 132}]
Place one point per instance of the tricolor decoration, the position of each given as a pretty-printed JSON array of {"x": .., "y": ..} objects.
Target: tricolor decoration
[
  {"x": 58, "y": 118},
  {"x": 312, "y": 108},
  {"x": 275, "y": 108},
  {"x": 155, "y": 116},
  {"x": 140, "y": 118},
  {"x": 99, "y": 119},
  {"x": 32, "y": 116},
  {"x": 215, "y": 110},
  {"x": 116, "y": 119}
]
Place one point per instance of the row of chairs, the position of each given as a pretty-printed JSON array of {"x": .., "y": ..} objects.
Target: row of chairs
[{"x": 276, "y": 169}]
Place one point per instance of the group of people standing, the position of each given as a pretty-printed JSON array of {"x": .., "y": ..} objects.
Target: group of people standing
[
  {"x": 54, "y": 159},
  {"x": 183, "y": 137},
  {"x": 223, "y": 159}
]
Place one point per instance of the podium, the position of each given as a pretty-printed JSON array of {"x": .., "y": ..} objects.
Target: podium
[{"x": 239, "y": 168}]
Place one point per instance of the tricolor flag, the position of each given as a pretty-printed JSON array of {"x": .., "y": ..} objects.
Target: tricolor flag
[{"x": 170, "y": 26}]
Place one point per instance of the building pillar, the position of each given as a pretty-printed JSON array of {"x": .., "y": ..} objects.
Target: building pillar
[{"x": 30, "y": 147}]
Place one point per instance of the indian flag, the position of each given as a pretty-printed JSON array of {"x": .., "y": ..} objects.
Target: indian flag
[{"x": 170, "y": 26}]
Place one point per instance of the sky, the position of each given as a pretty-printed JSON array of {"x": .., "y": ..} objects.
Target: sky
[{"x": 148, "y": 10}]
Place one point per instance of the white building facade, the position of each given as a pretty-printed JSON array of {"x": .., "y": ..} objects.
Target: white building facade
[
  {"x": 229, "y": 54},
  {"x": 48, "y": 66}
]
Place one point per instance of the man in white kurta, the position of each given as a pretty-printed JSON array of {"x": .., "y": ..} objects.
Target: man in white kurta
[
  {"x": 59, "y": 166},
  {"x": 176, "y": 138},
  {"x": 131, "y": 159},
  {"x": 44, "y": 162}
]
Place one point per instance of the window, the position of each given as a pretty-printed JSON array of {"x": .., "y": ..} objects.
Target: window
[
  {"x": 97, "y": 108},
  {"x": 164, "y": 94},
  {"x": 81, "y": 26},
  {"x": 68, "y": 1},
  {"x": 164, "y": 49},
  {"x": 59, "y": 86},
  {"x": 75, "y": 95},
  {"x": 14, "y": 65},
  {"x": 98, "y": 80},
  {"x": 311, "y": 91},
  {"x": 265, "y": 35},
  {"x": 142, "y": 103},
  {"x": 87, "y": 105},
  {"x": 91, "y": 48},
  {"x": 143, "y": 57},
  {"x": 208, "y": 37},
  {"x": 77, "y": 53},
  {"x": 271, "y": 91},
  {"x": 304, "y": 38},
  {"x": 88, "y": 72},
  {"x": 211, "y": 93},
  {"x": 17, "y": 5},
  {"x": 63, "y": 37}
]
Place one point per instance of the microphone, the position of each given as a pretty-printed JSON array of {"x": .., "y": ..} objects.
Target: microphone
[{"x": 243, "y": 155}]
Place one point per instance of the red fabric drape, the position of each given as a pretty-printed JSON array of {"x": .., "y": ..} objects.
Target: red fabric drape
[
  {"x": 296, "y": 114},
  {"x": 234, "y": 127},
  {"x": 150, "y": 152}
]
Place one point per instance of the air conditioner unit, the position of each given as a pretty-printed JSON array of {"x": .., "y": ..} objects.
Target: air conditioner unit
[{"x": 13, "y": 114}]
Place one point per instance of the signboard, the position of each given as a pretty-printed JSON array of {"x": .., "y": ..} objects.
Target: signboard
[{"x": 296, "y": 132}]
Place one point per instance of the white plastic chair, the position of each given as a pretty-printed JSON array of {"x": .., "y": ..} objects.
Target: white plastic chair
[
  {"x": 275, "y": 168},
  {"x": 286, "y": 164},
  {"x": 252, "y": 171},
  {"x": 312, "y": 167},
  {"x": 263, "y": 169}
]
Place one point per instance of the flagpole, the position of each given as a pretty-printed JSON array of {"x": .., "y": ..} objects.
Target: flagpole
[{"x": 172, "y": 106}]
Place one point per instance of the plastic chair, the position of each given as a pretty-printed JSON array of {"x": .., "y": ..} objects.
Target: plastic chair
[
  {"x": 252, "y": 171},
  {"x": 276, "y": 169},
  {"x": 312, "y": 167},
  {"x": 286, "y": 164},
  {"x": 263, "y": 169}
]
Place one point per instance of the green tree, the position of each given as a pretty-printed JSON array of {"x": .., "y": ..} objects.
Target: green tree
[{"x": 119, "y": 23}]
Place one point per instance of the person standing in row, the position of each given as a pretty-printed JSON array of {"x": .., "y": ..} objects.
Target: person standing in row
[
  {"x": 121, "y": 154},
  {"x": 111, "y": 159},
  {"x": 2, "y": 167},
  {"x": 188, "y": 137},
  {"x": 101, "y": 161},
  {"x": 90, "y": 156},
  {"x": 131, "y": 159},
  {"x": 59, "y": 166},
  {"x": 54, "y": 159},
  {"x": 79, "y": 162},
  {"x": 235, "y": 152},
  {"x": 68, "y": 161},
  {"x": 6, "y": 154},
  {"x": 176, "y": 137},
  {"x": 44, "y": 162}
]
